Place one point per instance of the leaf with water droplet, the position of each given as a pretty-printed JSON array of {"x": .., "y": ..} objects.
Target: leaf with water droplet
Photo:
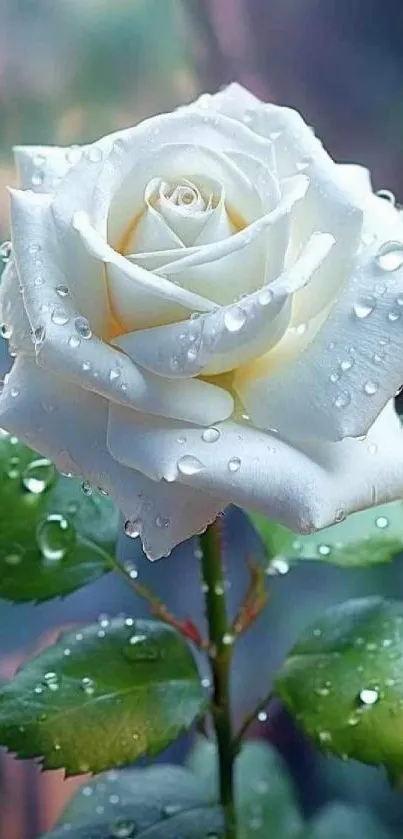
[
  {"x": 355, "y": 649},
  {"x": 265, "y": 800},
  {"x": 136, "y": 705},
  {"x": 53, "y": 539},
  {"x": 148, "y": 797},
  {"x": 365, "y": 538}
]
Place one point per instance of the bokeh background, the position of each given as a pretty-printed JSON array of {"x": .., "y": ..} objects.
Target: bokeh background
[{"x": 72, "y": 70}]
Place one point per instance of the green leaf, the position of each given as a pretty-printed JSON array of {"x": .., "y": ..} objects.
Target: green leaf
[
  {"x": 101, "y": 697},
  {"x": 200, "y": 823},
  {"x": 365, "y": 538},
  {"x": 343, "y": 681},
  {"x": 53, "y": 538},
  {"x": 340, "y": 821},
  {"x": 265, "y": 799},
  {"x": 143, "y": 796}
]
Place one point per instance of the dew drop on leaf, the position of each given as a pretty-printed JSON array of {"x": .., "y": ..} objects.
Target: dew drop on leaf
[
  {"x": 55, "y": 536},
  {"x": 38, "y": 476}
]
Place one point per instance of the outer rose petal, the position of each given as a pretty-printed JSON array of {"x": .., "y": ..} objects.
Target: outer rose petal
[
  {"x": 304, "y": 490},
  {"x": 354, "y": 365},
  {"x": 41, "y": 168},
  {"x": 73, "y": 434},
  {"x": 12, "y": 312}
]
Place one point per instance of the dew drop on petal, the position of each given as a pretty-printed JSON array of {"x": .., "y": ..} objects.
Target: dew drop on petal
[
  {"x": 324, "y": 550},
  {"x": 162, "y": 522},
  {"x": 74, "y": 342},
  {"x": 387, "y": 195},
  {"x": 234, "y": 319},
  {"x": 265, "y": 296},
  {"x": 122, "y": 828},
  {"x": 371, "y": 388},
  {"x": 211, "y": 435},
  {"x": 262, "y": 716},
  {"x": 83, "y": 328},
  {"x": 364, "y": 307},
  {"x": 390, "y": 256},
  {"x": 234, "y": 464},
  {"x": 393, "y": 315},
  {"x": 86, "y": 488},
  {"x": 59, "y": 316},
  {"x": 62, "y": 290},
  {"x": 342, "y": 400},
  {"x": 382, "y": 522},
  {"x": 346, "y": 365},
  {"x": 132, "y": 528},
  {"x": 189, "y": 465},
  {"x": 5, "y": 251}
]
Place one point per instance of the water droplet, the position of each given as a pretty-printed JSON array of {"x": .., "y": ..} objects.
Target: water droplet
[
  {"x": 234, "y": 464},
  {"x": 334, "y": 377},
  {"x": 13, "y": 558},
  {"x": 393, "y": 315},
  {"x": 262, "y": 716},
  {"x": 382, "y": 522},
  {"x": 211, "y": 435},
  {"x": 377, "y": 358},
  {"x": 277, "y": 567},
  {"x": 162, "y": 521},
  {"x": 130, "y": 569},
  {"x": 5, "y": 251},
  {"x": 14, "y": 392},
  {"x": 74, "y": 342},
  {"x": 228, "y": 639},
  {"x": 38, "y": 335},
  {"x": 342, "y": 400},
  {"x": 62, "y": 290},
  {"x": 122, "y": 828},
  {"x": 38, "y": 178},
  {"x": 95, "y": 154},
  {"x": 390, "y": 256},
  {"x": 86, "y": 488},
  {"x": 265, "y": 297},
  {"x": 38, "y": 476},
  {"x": 83, "y": 328},
  {"x": 387, "y": 195},
  {"x": 372, "y": 448},
  {"x": 346, "y": 364},
  {"x": 369, "y": 696},
  {"x": 371, "y": 387},
  {"x": 59, "y": 316},
  {"x": 189, "y": 465},
  {"x": 234, "y": 319},
  {"x": 114, "y": 374},
  {"x": 142, "y": 648},
  {"x": 6, "y": 331},
  {"x": 322, "y": 691},
  {"x": 55, "y": 537},
  {"x": 325, "y": 737},
  {"x": 364, "y": 307},
  {"x": 132, "y": 528},
  {"x": 50, "y": 680},
  {"x": 170, "y": 810},
  {"x": 73, "y": 154},
  {"x": 88, "y": 685},
  {"x": 324, "y": 550},
  {"x": 353, "y": 720}
]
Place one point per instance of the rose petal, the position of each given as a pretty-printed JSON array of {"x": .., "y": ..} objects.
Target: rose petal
[
  {"x": 303, "y": 490},
  {"x": 41, "y": 168},
  {"x": 138, "y": 298},
  {"x": 12, "y": 312},
  {"x": 69, "y": 425},
  {"x": 341, "y": 381},
  {"x": 220, "y": 341},
  {"x": 67, "y": 344}
]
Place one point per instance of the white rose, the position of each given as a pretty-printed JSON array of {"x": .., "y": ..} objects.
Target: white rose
[{"x": 207, "y": 309}]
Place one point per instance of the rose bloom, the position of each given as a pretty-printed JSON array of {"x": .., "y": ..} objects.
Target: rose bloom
[{"x": 205, "y": 309}]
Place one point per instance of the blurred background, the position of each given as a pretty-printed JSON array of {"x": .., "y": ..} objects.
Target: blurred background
[{"x": 73, "y": 70}]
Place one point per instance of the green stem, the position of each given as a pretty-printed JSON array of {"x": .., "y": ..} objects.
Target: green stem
[{"x": 220, "y": 659}]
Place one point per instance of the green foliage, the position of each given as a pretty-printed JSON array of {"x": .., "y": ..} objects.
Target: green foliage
[
  {"x": 264, "y": 797},
  {"x": 53, "y": 538},
  {"x": 339, "y": 821},
  {"x": 364, "y": 538},
  {"x": 343, "y": 682},
  {"x": 101, "y": 697},
  {"x": 155, "y": 801}
]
